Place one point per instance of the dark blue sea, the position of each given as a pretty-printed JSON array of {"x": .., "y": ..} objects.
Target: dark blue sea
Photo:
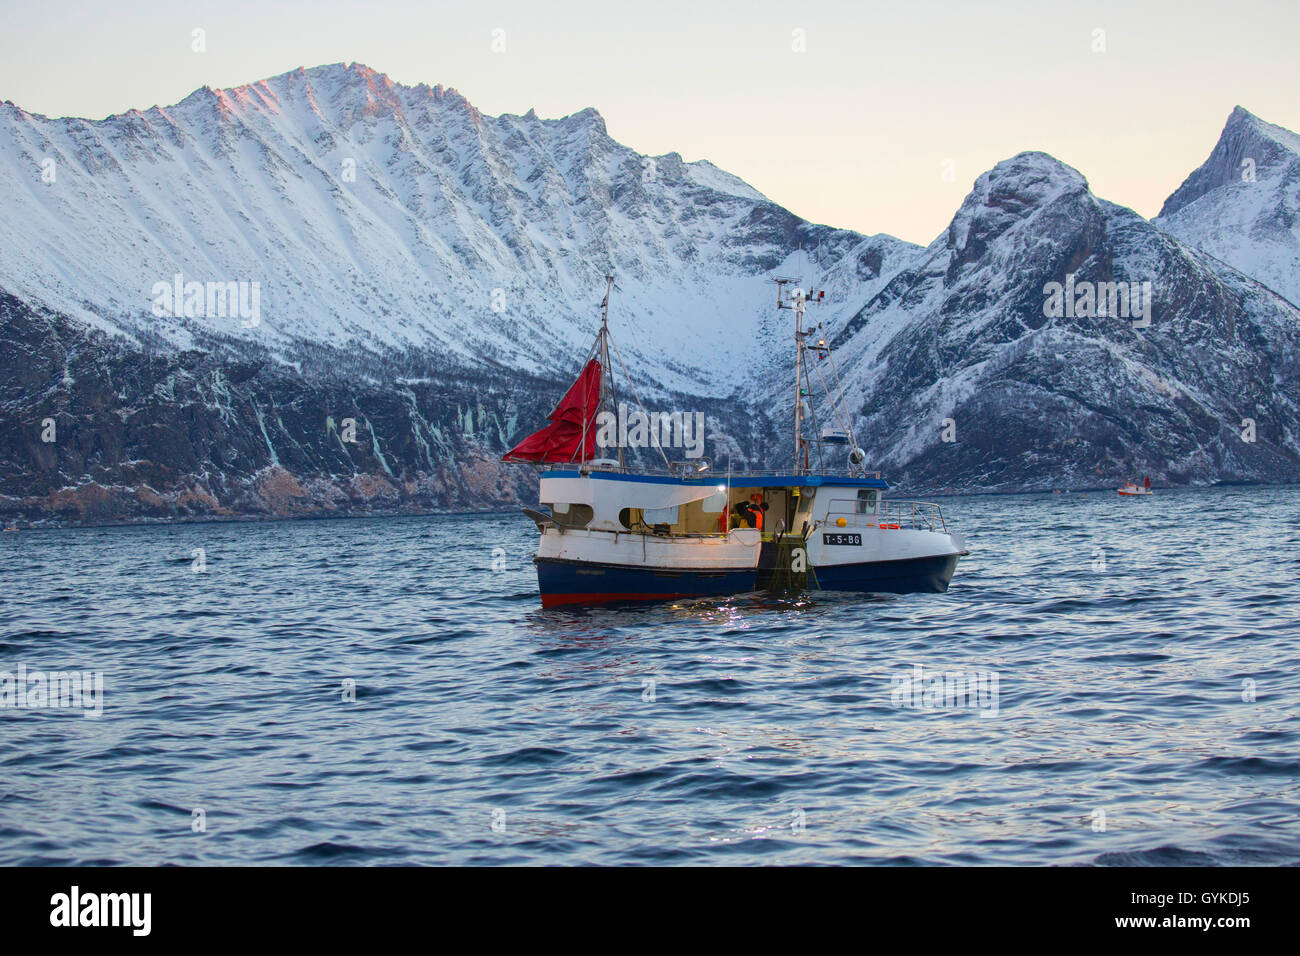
[{"x": 389, "y": 691}]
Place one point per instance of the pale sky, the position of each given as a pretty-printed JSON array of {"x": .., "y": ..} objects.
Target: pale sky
[{"x": 855, "y": 131}]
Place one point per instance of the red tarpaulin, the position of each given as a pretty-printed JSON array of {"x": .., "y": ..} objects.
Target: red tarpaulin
[{"x": 558, "y": 441}]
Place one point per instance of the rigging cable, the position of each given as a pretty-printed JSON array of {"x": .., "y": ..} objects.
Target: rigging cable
[{"x": 632, "y": 385}]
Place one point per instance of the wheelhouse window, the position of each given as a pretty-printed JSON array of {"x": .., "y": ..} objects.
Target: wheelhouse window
[
  {"x": 571, "y": 516},
  {"x": 866, "y": 503}
]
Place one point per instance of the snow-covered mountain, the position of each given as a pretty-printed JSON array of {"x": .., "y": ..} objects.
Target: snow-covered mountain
[
  {"x": 1243, "y": 204},
  {"x": 427, "y": 272},
  {"x": 427, "y": 281},
  {"x": 1018, "y": 350},
  {"x": 378, "y": 218}
]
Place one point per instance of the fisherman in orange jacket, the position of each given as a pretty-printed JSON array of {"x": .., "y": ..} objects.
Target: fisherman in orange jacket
[{"x": 751, "y": 512}]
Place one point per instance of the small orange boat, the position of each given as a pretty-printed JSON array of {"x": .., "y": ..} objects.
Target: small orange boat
[{"x": 1134, "y": 490}]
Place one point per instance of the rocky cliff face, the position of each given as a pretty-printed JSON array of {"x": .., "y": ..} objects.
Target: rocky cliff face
[
  {"x": 98, "y": 430},
  {"x": 103, "y": 432}
]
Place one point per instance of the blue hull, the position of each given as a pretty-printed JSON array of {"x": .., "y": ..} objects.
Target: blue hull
[
  {"x": 913, "y": 576},
  {"x": 582, "y": 582}
]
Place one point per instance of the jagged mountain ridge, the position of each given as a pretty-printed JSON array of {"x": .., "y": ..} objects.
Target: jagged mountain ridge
[
  {"x": 1242, "y": 205},
  {"x": 379, "y": 218}
]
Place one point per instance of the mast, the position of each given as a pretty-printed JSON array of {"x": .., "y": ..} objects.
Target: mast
[
  {"x": 608, "y": 397},
  {"x": 797, "y": 299},
  {"x": 798, "y": 375}
]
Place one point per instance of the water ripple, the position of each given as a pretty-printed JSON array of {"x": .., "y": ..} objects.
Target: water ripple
[{"x": 372, "y": 691}]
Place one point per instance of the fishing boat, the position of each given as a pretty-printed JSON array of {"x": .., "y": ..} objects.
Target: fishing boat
[
  {"x": 611, "y": 532},
  {"x": 1133, "y": 490}
]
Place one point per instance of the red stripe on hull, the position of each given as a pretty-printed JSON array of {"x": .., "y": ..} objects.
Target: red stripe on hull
[{"x": 557, "y": 600}]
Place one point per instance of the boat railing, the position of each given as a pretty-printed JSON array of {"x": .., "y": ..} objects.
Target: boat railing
[
  {"x": 689, "y": 469},
  {"x": 890, "y": 513}
]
